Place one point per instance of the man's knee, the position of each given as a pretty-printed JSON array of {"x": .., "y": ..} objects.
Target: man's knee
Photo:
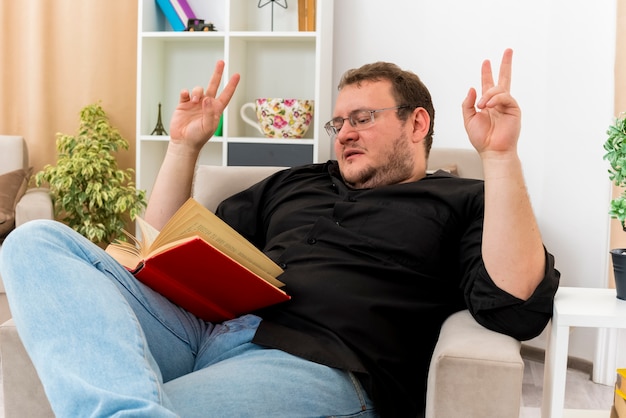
[
  {"x": 38, "y": 230},
  {"x": 35, "y": 244}
]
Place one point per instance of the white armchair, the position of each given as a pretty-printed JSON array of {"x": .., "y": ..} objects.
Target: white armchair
[
  {"x": 17, "y": 203},
  {"x": 474, "y": 372}
]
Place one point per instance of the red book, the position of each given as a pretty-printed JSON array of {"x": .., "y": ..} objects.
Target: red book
[{"x": 202, "y": 264}]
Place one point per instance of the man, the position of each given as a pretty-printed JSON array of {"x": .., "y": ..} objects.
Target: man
[{"x": 376, "y": 255}]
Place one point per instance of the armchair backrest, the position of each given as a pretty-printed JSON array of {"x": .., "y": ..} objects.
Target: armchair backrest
[
  {"x": 13, "y": 153},
  {"x": 213, "y": 184},
  {"x": 466, "y": 161}
]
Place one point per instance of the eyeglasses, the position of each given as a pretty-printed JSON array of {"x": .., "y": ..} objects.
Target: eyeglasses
[{"x": 359, "y": 120}]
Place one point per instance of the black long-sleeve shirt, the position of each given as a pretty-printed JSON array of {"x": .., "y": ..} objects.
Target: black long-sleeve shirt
[{"x": 373, "y": 273}]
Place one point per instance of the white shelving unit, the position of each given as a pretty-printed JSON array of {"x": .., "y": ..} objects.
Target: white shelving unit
[{"x": 282, "y": 62}]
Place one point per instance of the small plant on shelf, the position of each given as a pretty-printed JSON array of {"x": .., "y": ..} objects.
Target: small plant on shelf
[{"x": 90, "y": 193}]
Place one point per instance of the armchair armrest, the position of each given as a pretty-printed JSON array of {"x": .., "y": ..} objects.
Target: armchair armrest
[
  {"x": 23, "y": 393},
  {"x": 474, "y": 372},
  {"x": 35, "y": 204}
]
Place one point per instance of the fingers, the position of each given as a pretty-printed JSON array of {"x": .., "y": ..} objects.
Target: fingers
[
  {"x": 184, "y": 96},
  {"x": 215, "y": 81},
  {"x": 214, "y": 84},
  {"x": 504, "y": 78},
  {"x": 486, "y": 76},
  {"x": 229, "y": 90},
  {"x": 196, "y": 94},
  {"x": 489, "y": 88},
  {"x": 468, "y": 105},
  {"x": 216, "y": 78}
]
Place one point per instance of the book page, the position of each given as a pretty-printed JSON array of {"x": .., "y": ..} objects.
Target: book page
[
  {"x": 130, "y": 254},
  {"x": 127, "y": 254},
  {"x": 148, "y": 234}
]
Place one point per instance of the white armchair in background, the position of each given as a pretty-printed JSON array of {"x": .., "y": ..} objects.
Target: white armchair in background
[{"x": 18, "y": 204}]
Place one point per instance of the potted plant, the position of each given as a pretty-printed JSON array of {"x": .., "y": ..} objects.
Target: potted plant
[
  {"x": 615, "y": 147},
  {"x": 90, "y": 193}
]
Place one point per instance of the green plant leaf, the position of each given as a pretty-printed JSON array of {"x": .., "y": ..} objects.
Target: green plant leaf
[{"x": 90, "y": 193}]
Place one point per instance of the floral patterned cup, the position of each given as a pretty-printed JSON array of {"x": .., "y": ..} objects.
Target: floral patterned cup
[{"x": 280, "y": 118}]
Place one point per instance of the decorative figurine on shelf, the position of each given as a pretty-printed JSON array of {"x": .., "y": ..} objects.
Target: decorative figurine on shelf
[
  {"x": 159, "y": 129},
  {"x": 198, "y": 25},
  {"x": 263, "y": 4}
]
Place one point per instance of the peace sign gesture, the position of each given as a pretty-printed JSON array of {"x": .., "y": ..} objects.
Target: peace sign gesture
[
  {"x": 198, "y": 112},
  {"x": 493, "y": 123}
]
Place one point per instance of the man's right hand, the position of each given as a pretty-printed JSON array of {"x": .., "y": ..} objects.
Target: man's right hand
[{"x": 197, "y": 115}]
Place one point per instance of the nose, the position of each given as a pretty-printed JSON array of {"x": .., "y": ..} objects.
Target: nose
[{"x": 346, "y": 134}]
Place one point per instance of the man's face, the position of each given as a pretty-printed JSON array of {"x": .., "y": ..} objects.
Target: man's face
[{"x": 378, "y": 153}]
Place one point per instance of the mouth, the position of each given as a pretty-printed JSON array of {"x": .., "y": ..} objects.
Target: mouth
[{"x": 352, "y": 153}]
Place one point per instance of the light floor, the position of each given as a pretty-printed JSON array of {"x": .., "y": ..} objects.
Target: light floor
[{"x": 580, "y": 391}]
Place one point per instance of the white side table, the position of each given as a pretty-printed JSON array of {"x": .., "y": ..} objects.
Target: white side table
[{"x": 574, "y": 307}]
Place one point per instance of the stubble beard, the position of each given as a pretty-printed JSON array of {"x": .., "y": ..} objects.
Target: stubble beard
[{"x": 398, "y": 168}]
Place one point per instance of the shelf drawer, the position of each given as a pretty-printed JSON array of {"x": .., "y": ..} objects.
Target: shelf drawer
[{"x": 283, "y": 155}]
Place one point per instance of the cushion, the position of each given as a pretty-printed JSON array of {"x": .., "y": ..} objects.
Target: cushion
[
  {"x": 450, "y": 168},
  {"x": 12, "y": 187}
]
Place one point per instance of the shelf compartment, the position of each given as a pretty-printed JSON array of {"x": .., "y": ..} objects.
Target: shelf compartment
[
  {"x": 213, "y": 11},
  {"x": 245, "y": 15},
  {"x": 169, "y": 65},
  {"x": 267, "y": 69}
]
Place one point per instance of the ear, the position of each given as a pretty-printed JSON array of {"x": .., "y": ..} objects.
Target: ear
[{"x": 421, "y": 124}]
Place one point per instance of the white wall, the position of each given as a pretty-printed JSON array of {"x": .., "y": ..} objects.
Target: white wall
[{"x": 562, "y": 78}]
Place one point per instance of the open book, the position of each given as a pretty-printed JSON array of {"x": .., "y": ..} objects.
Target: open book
[{"x": 202, "y": 264}]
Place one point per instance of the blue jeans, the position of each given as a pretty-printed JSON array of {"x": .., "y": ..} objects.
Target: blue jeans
[{"x": 105, "y": 345}]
